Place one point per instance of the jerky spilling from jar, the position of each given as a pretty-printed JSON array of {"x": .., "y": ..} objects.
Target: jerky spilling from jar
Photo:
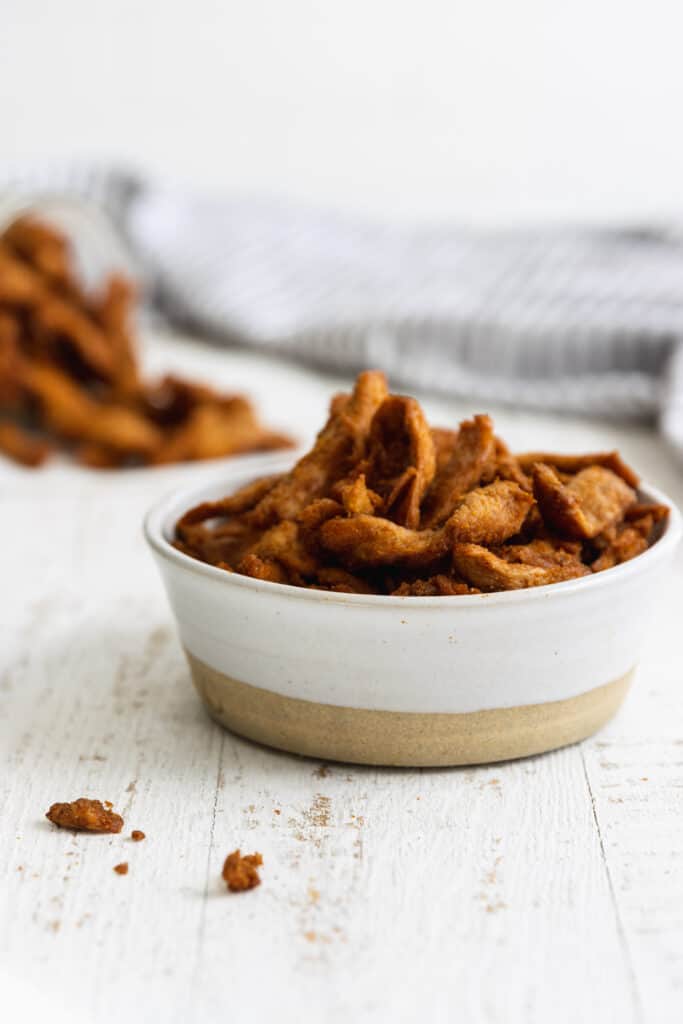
[{"x": 70, "y": 376}]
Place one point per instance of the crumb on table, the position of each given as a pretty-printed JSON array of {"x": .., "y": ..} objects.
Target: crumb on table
[
  {"x": 121, "y": 869},
  {"x": 137, "y": 836},
  {"x": 240, "y": 873},
  {"x": 85, "y": 815}
]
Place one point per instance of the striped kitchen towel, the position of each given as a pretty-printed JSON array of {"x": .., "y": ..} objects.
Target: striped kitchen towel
[{"x": 578, "y": 320}]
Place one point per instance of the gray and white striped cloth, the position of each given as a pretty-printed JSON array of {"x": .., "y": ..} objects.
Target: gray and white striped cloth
[{"x": 578, "y": 320}]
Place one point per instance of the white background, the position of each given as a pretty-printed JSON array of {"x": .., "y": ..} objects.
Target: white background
[{"x": 488, "y": 110}]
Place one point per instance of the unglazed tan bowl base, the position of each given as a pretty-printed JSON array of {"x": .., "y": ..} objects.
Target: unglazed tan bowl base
[{"x": 401, "y": 737}]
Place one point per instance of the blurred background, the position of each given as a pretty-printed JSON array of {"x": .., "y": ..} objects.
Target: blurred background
[
  {"x": 481, "y": 199},
  {"x": 485, "y": 112}
]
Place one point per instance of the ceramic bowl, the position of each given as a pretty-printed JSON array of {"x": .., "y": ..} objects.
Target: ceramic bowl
[{"x": 407, "y": 680}]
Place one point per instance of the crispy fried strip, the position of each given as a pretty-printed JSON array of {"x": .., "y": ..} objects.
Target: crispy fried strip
[
  {"x": 318, "y": 512},
  {"x": 98, "y": 456},
  {"x": 20, "y": 286},
  {"x": 401, "y": 459},
  {"x": 227, "y": 543},
  {"x": 313, "y": 517},
  {"x": 369, "y": 541},
  {"x": 500, "y": 529},
  {"x": 593, "y": 500},
  {"x": 283, "y": 544},
  {"x": 473, "y": 451},
  {"x": 337, "y": 404},
  {"x": 357, "y": 498},
  {"x": 169, "y": 400},
  {"x": 575, "y": 463},
  {"x": 21, "y": 446},
  {"x": 542, "y": 553},
  {"x": 68, "y": 368},
  {"x": 241, "y": 501},
  {"x": 59, "y": 321},
  {"x": 43, "y": 247},
  {"x": 340, "y": 441},
  {"x": 56, "y": 317},
  {"x": 624, "y": 541},
  {"x": 262, "y": 569},
  {"x": 212, "y": 430},
  {"x": 489, "y": 515},
  {"x": 483, "y": 569},
  {"x": 628, "y": 543},
  {"x": 658, "y": 512},
  {"x": 113, "y": 310},
  {"x": 506, "y": 467},
  {"x": 403, "y": 502},
  {"x": 11, "y": 362},
  {"x": 444, "y": 440},
  {"x": 69, "y": 412}
]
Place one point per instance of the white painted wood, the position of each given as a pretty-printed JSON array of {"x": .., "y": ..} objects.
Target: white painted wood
[{"x": 544, "y": 890}]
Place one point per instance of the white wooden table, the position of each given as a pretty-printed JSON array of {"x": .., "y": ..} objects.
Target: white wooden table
[{"x": 547, "y": 890}]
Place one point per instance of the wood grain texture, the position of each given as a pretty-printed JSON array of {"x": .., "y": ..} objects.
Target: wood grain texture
[{"x": 549, "y": 889}]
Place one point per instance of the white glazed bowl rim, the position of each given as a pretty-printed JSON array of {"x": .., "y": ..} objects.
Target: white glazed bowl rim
[{"x": 165, "y": 513}]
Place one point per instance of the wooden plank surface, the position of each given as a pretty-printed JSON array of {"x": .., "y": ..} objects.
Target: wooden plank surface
[{"x": 549, "y": 889}]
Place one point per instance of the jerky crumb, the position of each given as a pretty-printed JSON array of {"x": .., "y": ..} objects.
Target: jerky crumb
[
  {"x": 121, "y": 869},
  {"x": 137, "y": 836},
  {"x": 240, "y": 873},
  {"x": 85, "y": 816}
]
